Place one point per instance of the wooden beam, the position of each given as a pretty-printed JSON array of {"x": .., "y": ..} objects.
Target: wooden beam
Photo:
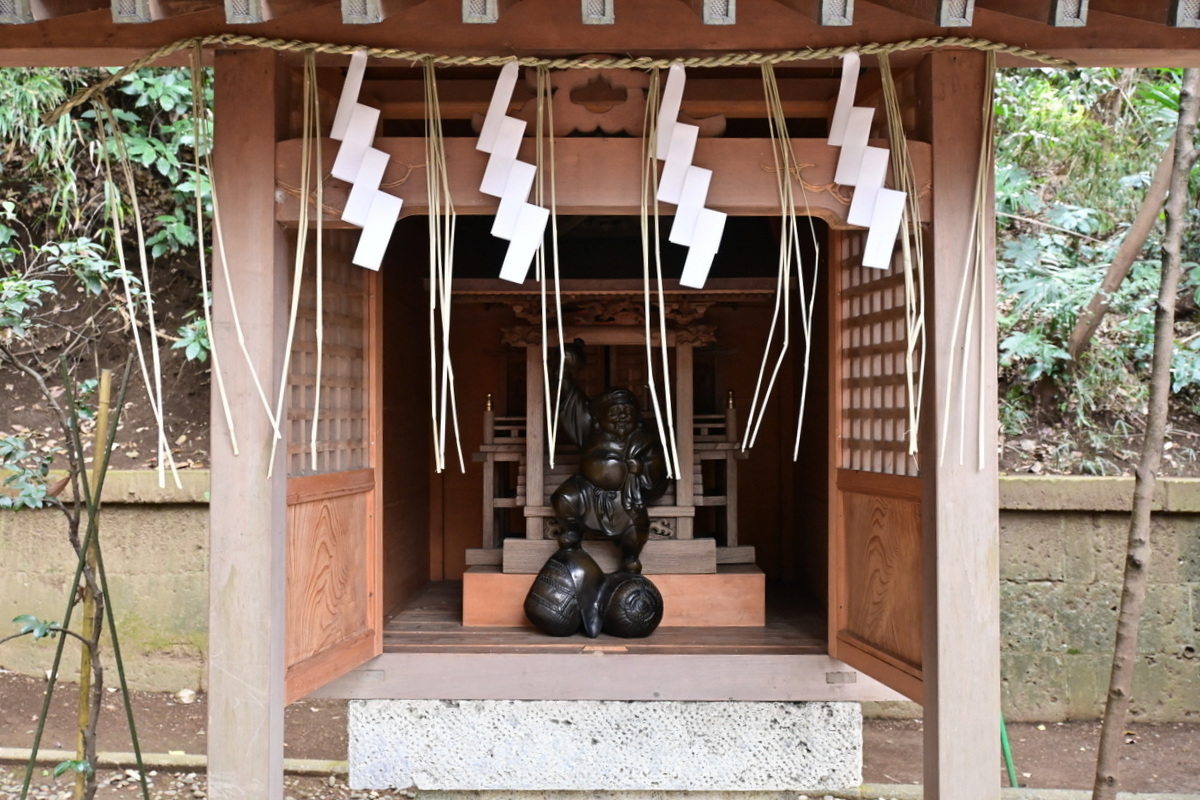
[
  {"x": 597, "y": 12},
  {"x": 247, "y": 535},
  {"x": 552, "y": 29},
  {"x": 733, "y": 98},
  {"x": 943, "y": 13},
  {"x": 960, "y": 507},
  {"x": 596, "y": 176},
  {"x": 1059, "y": 13},
  {"x": 824, "y": 12},
  {"x": 714, "y": 12},
  {"x": 1176, "y": 13}
]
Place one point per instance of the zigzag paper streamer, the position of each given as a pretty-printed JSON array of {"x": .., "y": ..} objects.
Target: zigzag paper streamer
[
  {"x": 695, "y": 227},
  {"x": 362, "y": 166},
  {"x": 860, "y": 165},
  {"x": 510, "y": 179}
]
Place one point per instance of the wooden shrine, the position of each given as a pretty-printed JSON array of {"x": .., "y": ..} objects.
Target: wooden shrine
[
  {"x": 341, "y": 578},
  {"x": 695, "y": 567}
]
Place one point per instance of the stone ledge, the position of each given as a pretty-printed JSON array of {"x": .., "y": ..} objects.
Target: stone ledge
[
  {"x": 1074, "y": 493},
  {"x": 141, "y": 486}
]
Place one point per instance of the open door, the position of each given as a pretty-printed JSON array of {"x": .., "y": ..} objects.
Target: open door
[
  {"x": 875, "y": 527},
  {"x": 334, "y": 603}
]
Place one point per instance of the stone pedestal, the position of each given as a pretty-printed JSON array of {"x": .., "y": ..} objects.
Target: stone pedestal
[{"x": 604, "y": 746}]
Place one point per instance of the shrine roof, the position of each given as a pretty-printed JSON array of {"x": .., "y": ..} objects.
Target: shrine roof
[{"x": 1088, "y": 32}]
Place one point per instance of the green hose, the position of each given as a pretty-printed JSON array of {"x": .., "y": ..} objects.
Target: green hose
[{"x": 1008, "y": 759}]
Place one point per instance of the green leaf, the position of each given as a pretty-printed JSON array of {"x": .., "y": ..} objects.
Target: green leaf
[
  {"x": 39, "y": 628},
  {"x": 82, "y": 766}
]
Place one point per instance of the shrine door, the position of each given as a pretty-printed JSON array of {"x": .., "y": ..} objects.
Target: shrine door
[
  {"x": 876, "y": 536},
  {"x": 334, "y": 605}
]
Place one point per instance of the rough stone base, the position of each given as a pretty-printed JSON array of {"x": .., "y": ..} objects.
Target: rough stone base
[{"x": 538, "y": 745}]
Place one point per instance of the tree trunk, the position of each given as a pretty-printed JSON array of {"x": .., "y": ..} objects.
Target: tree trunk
[
  {"x": 1131, "y": 245},
  {"x": 1133, "y": 592}
]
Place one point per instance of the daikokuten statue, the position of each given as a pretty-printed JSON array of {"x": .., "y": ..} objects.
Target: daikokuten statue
[{"x": 622, "y": 467}]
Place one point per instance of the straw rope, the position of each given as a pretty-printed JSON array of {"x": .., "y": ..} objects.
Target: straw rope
[
  {"x": 746, "y": 59},
  {"x": 544, "y": 142},
  {"x": 200, "y": 135},
  {"x": 112, "y": 195},
  {"x": 309, "y": 132},
  {"x": 912, "y": 249},
  {"x": 648, "y": 210},
  {"x": 972, "y": 291}
]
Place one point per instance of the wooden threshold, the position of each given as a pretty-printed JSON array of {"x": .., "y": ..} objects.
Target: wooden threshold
[
  {"x": 432, "y": 622},
  {"x": 429, "y": 655}
]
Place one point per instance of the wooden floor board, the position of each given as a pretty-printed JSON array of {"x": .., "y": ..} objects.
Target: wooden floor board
[{"x": 432, "y": 622}]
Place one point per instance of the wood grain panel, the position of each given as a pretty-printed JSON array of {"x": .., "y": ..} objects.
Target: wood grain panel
[
  {"x": 881, "y": 601},
  {"x": 328, "y": 595},
  {"x": 734, "y": 596},
  {"x": 660, "y": 556}
]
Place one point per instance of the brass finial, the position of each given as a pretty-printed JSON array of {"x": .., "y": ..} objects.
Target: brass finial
[
  {"x": 488, "y": 407},
  {"x": 728, "y": 403}
]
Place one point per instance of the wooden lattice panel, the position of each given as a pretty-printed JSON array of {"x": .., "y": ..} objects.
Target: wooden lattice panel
[
  {"x": 873, "y": 370},
  {"x": 342, "y": 415}
]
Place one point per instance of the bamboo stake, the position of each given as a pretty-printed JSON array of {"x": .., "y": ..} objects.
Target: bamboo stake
[{"x": 85, "y": 744}]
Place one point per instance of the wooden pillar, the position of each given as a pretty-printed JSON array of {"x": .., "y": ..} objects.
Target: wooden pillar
[
  {"x": 535, "y": 440},
  {"x": 961, "y": 629},
  {"x": 247, "y": 531},
  {"x": 685, "y": 433}
]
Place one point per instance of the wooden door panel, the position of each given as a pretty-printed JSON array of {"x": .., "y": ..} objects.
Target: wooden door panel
[
  {"x": 878, "y": 615},
  {"x": 330, "y": 592},
  {"x": 875, "y": 532},
  {"x": 334, "y": 604}
]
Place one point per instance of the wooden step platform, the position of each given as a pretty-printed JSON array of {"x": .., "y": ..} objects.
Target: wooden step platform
[
  {"x": 733, "y": 596},
  {"x": 431, "y": 622},
  {"x": 660, "y": 556}
]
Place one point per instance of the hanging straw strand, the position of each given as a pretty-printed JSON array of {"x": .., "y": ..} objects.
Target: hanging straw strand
[
  {"x": 201, "y": 144},
  {"x": 913, "y": 252},
  {"x": 649, "y": 193},
  {"x": 971, "y": 288},
  {"x": 782, "y": 291},
  {"x": 444, "y": 224},
  {"x": 307, "y": 133},
  {"x": 314, "y": 114},
  {"x": 153, "y": 389}
]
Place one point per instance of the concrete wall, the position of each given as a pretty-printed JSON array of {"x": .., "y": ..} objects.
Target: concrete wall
[
  {"x": 155, "y": 545},
  {"x": 1062, "y": 554},
  {"x": 1062, "y": 545}
]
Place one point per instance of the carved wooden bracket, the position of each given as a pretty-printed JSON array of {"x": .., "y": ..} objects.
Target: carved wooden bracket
[
  {"x": 609, "y": 101},
  {"x": 697, "y": 335}
]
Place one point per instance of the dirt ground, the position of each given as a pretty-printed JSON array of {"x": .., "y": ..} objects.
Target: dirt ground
[{"x": 1156, "y": 757}]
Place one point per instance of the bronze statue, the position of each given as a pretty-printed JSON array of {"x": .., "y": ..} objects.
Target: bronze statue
[{"x": 622, "y": 467}]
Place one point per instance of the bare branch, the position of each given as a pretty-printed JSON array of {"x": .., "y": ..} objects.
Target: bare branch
[
  {"x": 1133, "y": 591},
  {"x": 1122, "y": 263}
]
